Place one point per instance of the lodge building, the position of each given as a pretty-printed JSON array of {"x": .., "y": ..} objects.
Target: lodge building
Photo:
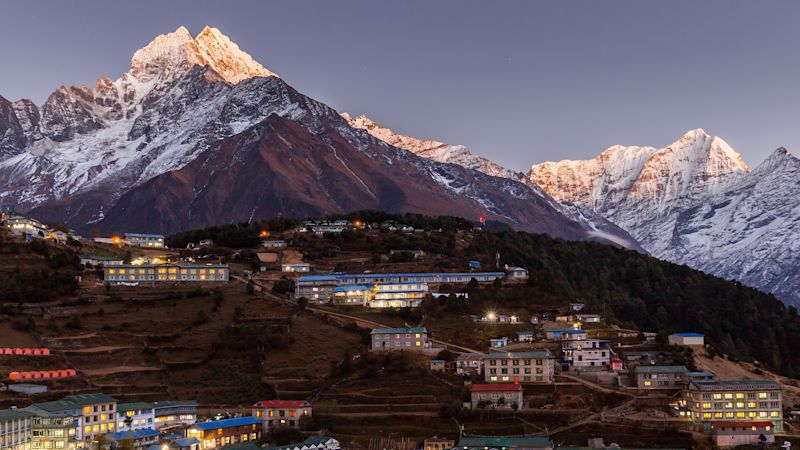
[{"x": 167, "y": 272}]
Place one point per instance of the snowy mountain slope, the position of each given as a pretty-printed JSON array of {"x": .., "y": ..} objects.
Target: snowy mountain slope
[
  {"x": 694, "y": 202},
  {"x": 197, "y": 133},
  {"x": 430, "y": 149},
  {"x": 597, "y": 227}
]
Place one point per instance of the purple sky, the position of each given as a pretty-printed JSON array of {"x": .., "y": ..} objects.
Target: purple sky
[{"x": 517, "y": 81}]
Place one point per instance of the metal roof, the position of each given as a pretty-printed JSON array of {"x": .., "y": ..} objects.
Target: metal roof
[
  {"x": 735, "y": 385},
  {"x": 145, "y": 235},
  {"x": 133, "y": 434},
  {"x": 122, "y": 407},
  {"x": 660, "y": 369},
  {"x": 496, "y": 387},
  {"x": 504, "y": 442},
  {"x": 56, "y": 406},
  {"x": 11, "y": 414},
  {"x": 518, "y": 355},
  {"x": 90, "y": 399},
  {"x": 688, "y": 334},
  {"x": 399, "y": 330},
  {"x": 225, "y": 423}
]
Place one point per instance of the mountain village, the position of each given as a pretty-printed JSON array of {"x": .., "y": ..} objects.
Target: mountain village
[{"x": 519, "y": 370}]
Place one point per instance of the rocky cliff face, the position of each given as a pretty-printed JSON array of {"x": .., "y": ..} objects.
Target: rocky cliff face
[
  {"x": 197, "y": 133},
  {"x": 694, "y": 202}
]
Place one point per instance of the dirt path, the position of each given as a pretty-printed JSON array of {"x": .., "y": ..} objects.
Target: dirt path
[
  {"x": 100, "y": 349},
  {"x": 119, "y": 369}
]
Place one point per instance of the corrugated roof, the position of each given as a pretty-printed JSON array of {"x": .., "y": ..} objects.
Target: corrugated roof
[
  {"x": 496, "y": 387},
  {"x": 733, "y": 385},
  {"x": 519, "y": 355},
  {"x": 722, "y": 424},
  {"x": 225, "y": 423},
  {"x": 145, "y": 235},
  {"x": 688, "y": 334},
  {"x": 401, "y": 330},
  {"x": 282, "y": 404},
  {"x": 495, "y": 442},
  {"x": 56, "y": 406},
  {"x": 174, "y": 403},
  {"x": 135, "y": 406},
  {"x": 90, "y": 399},
  {"x": 133, "y": 434},
  {"x": 11, "y": 414},
  {"x": 660, "y": 369}
]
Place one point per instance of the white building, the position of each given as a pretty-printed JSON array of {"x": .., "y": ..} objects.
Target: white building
[
  {"x": 296, "y": 267},
  {"x": 686, "y": 339},
  {"x": 135, "y": 416},
  {"x": 144, "y": 240}
]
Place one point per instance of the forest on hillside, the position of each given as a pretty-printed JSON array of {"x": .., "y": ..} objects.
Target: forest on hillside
[{"x": 645, "y": 293}]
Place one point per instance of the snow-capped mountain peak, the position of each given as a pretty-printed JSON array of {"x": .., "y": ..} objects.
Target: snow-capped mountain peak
[{"x": 178, "y": 52}]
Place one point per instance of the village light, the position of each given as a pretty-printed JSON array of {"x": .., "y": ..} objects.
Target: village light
[
  {"x": 263, "y": 234},
  {"x": 491, "y": 315},
  {"x": 357, "y": 223}
]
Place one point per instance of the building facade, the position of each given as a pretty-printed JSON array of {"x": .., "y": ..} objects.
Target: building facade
[
  {"x": 281, "y": 413},
  {"x": 394, "y": 339},
  {"x": 735, "y": 401},
  {"x": 135, "y": 416},
  {"x": 16, "y": 428},
  {"x": 56, "y": 425},
  {"x": 144, "y": 240},
  {"x": 98, "y": 413},
  {"x": 522, "y": 367},
  {"x": 221, "y": 433},
  {"x": 653, "y": 378},
  {"x": 584, "y": 353},
  {"x": 174, "y": 414},
  {"x": 686, "y": 339},
  {"x": 167, "y": 272},
  {"x": 320, "y": 288},
  {"x": 496, "y": 396}
]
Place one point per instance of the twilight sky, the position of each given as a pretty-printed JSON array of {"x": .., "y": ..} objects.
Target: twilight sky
[{"x": 517, "y": 81}]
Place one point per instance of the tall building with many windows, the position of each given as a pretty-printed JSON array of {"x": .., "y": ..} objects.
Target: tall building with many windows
[
  {"x": 737, "y": 401},
  {"x": 15, "y": 429},
  {"x": 56, "y": 425},
  {"x": 166, "y": 272},
  {"x": 518, "y": 367},
  {"x": 98, "y": 413}
]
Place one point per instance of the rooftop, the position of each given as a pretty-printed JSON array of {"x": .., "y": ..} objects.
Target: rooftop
[
  {"x": 501, "y": 442},
  {"x": 346, "y": 276},
  {"x": 56, "y": 406},
  {"x": 496, "y": 387},
  {"x": 133, "y": 434},
  {"x": 282, "y": 404},
  {"x": 734, "y": 385},
  {"x": 122, "y": 407},
  {"x": 517, "y": 355},
  {"x": 688, "y": 334},
  {"x": 741, "y": 424},
  {"x": 145, "y": 235},
  {"x": 660, "y": 369},
  {"x": 11, "y": 414},
  {"x": 401, "y": 330},
  {"x": 174, "y": 403},
  {"x": 225, "y": 423},
  {"x": 90, "y": 399}
]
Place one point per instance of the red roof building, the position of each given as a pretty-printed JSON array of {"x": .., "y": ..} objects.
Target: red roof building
[
  {"x": 496, "y": 387},
  {"x": 493, "y": 396}
]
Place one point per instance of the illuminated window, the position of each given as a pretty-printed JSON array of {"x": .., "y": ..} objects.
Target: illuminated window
[
  {"x": 762, "y": 395},
  {"x": 87, "y": 410}
]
